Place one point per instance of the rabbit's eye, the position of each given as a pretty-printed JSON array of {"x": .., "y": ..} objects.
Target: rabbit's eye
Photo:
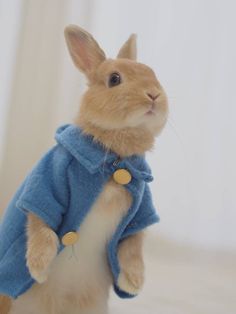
[{"x": 114, "y": 79}]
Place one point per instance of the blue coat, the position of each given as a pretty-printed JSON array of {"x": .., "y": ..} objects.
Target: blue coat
[{"x": 61, "y": 189}]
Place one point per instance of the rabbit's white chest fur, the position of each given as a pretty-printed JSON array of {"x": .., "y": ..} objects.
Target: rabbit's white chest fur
[
  {"x": 86, "y": 262},
  {"x": 79, "y": 275}
]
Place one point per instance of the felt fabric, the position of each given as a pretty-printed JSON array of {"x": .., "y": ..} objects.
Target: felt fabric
[{"x": 61, "y": 190}]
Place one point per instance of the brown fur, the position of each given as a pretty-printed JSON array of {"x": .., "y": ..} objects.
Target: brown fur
[
  {"x": 131, "y": 260},
  {"x": 129, "y": 49},
  {"x": 123, "y": 107},
  {"x": 116, "y": 116},
  {"x": 41, "y": 247},
  {"x": 5, "y": 304},
  {"x": 50, "y": 302}
]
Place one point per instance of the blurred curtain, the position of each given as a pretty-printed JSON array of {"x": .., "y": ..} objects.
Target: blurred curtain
[
  {"x": 39, "y": 86},
  {"x": 10, "y": 22}
]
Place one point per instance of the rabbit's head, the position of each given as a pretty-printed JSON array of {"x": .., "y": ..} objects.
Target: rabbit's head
[{"x": 122, "y": 93}]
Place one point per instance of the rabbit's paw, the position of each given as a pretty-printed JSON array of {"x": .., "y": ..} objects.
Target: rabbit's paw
[
  {"x": 131, "y": 281},
  {"x": 42, "y": 249}
]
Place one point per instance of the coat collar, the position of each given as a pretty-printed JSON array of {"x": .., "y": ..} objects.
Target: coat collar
[{"x": 93, "y": 156}]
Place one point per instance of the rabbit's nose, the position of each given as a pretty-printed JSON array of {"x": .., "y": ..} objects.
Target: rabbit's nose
[{"x": 152, "y": 96}]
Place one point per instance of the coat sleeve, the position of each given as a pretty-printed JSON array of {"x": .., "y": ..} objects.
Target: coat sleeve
[
  {"x": 46, "y": 190},
  {"x": 145, "y": 216}
]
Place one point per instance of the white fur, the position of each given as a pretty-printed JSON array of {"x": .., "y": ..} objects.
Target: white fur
[
  {"x": 81, "y": 271},
  {"x": 126, "y": 285}
]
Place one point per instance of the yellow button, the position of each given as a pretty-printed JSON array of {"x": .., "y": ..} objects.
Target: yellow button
[
  {"x": 70, "y": 238},
  {"x": 122, "y": 176}
]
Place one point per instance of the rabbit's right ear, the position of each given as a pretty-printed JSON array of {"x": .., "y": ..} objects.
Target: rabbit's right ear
[
  {"x": 129, "y": 49},
  {"x": 84, "y": 49}
]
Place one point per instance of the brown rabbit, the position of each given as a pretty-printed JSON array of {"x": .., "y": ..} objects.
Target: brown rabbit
[{"x": 124, "y": 109}]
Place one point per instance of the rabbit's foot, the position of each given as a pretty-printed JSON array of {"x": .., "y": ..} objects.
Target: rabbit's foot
[
  {"x": 131, "y": 280},
  {"x": 42, "y": 249}
]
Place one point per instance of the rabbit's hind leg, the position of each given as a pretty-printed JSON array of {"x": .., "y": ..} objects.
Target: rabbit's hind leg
[
  {"x": 5, "y": 304},
  {"x": 97, "y": 309},
  {"x": 91, "y": 306},
  {"x": 37, "y": 300}
]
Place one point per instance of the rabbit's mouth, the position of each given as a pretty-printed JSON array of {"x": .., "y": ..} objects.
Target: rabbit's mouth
[{"x": 151, "y": 110}]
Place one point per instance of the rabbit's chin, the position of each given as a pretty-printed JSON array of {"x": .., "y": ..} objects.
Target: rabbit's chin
[{"x": 152, "y": 122}]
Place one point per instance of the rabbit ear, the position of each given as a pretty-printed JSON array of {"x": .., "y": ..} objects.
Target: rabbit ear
[
  {"x": 129, "y": 49},
  {"x": 83, "y": 48}
]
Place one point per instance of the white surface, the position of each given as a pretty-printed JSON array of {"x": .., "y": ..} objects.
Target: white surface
[
  {"x": 191, "y": 46},
  {"x": 181, "y": 280}
]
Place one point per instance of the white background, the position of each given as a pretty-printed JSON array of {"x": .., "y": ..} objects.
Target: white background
[{"x": 190, "y": 45}]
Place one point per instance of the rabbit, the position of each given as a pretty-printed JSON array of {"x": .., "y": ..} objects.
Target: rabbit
[{"x": 123, "y": 109}]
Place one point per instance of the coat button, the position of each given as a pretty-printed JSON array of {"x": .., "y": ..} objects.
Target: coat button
[
  {"x": 122, "y": 176},
  {"x": 70, "y": 238}
]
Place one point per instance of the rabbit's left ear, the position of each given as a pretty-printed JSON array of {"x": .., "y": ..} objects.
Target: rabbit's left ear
[
  {"x": 129, "y": 49},
  {"x": 83, "y": 48}
]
